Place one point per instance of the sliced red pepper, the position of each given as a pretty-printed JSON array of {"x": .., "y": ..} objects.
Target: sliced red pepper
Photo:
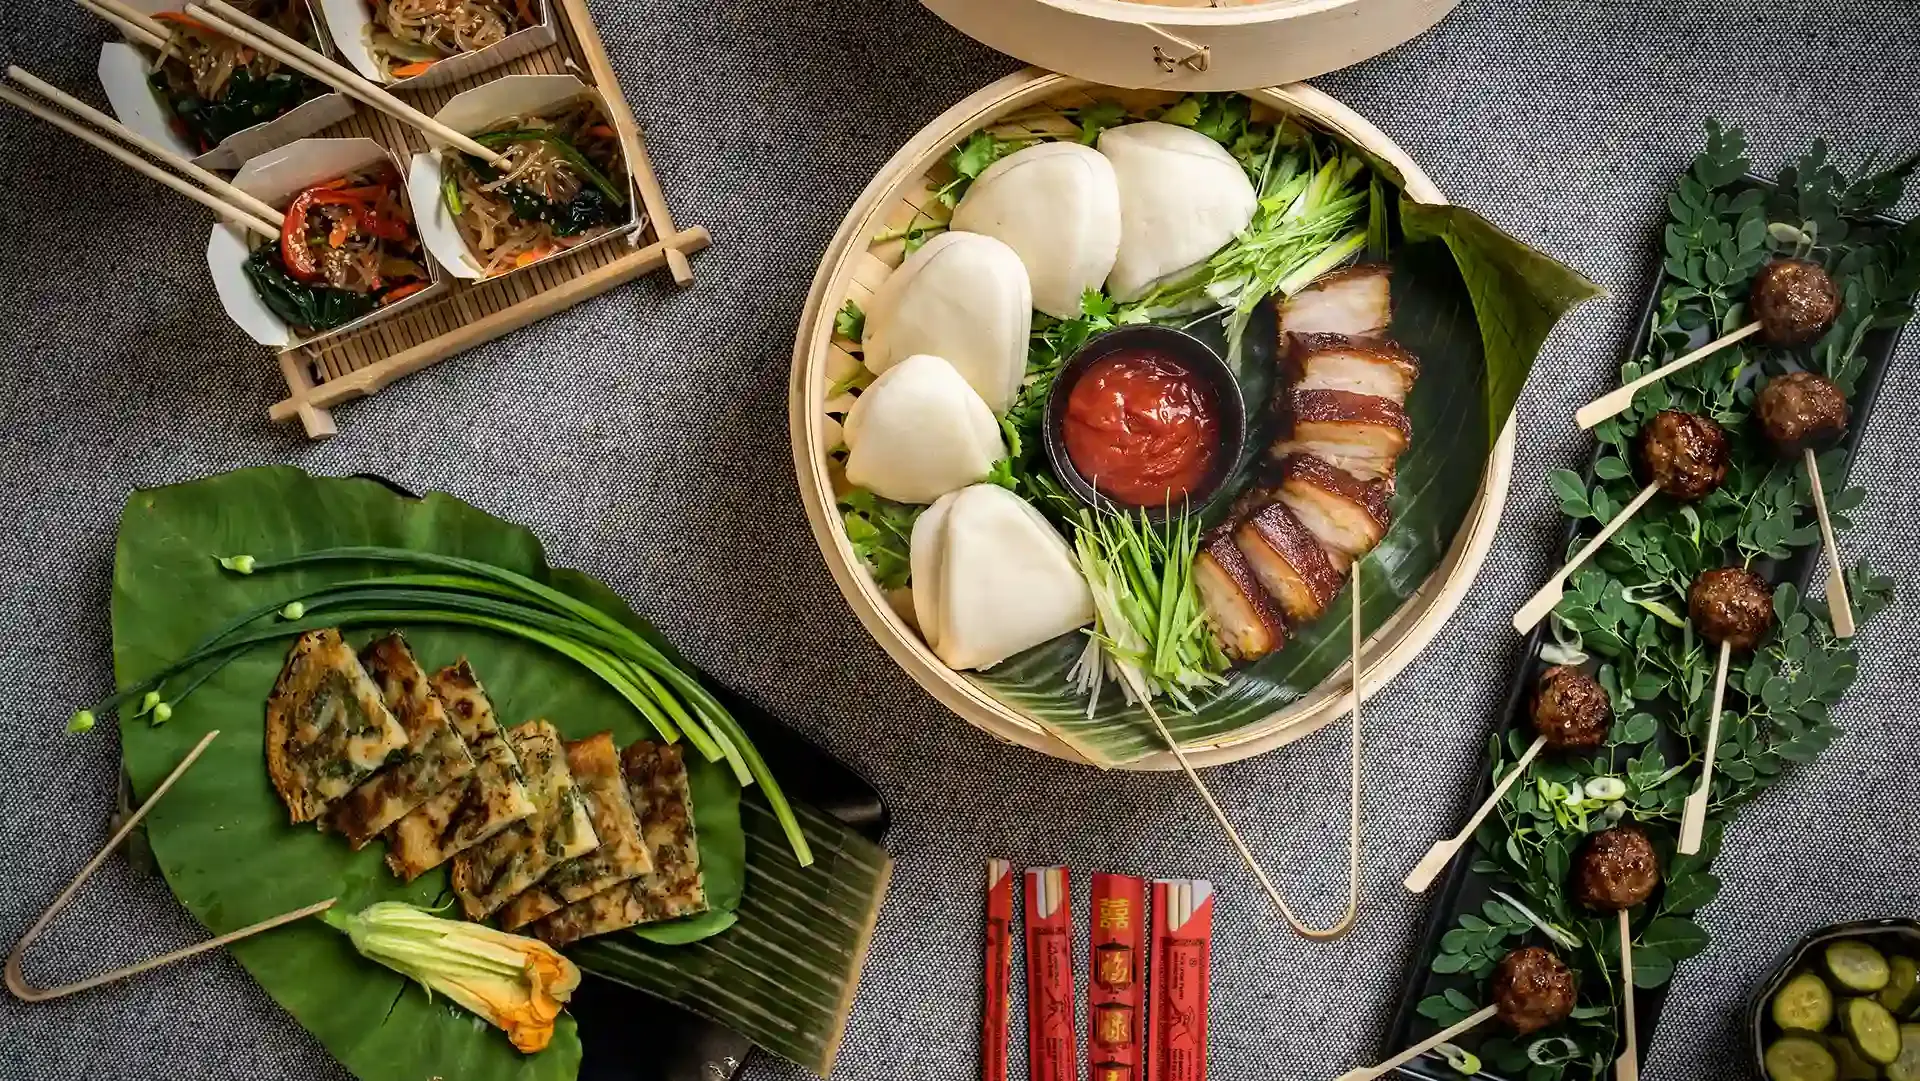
[
  {"x": 295, "y": 251},
  {"x": 401, "y": 292}
]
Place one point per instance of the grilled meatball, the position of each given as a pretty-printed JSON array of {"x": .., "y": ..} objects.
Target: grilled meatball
[
  {"x": 1685, "y": 454},
  {"x": 1570, "y": 709},
  {"x": 1615, "y": 869},
  {"x": 1794, "y": 300},
  {"x": 1801, "y": 410},
  {"x": 1731, "y": 605},
  {"x": 1532, "y": 989}
]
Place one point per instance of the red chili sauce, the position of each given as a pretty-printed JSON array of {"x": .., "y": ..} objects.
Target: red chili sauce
[{"x": 1141, "y": 427}]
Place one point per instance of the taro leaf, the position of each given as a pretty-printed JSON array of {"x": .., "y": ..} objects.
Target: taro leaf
[
  {"x": 1519, "y": 294},
  {"x": 221, "y": 836}
]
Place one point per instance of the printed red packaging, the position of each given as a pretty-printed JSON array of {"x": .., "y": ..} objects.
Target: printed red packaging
[
  {"x": 1117, "y": 994},
  {"x": 1181, "y": 961},
  {"x": 999, "y": 975},
  {"x": 1052, "y": 1051}
]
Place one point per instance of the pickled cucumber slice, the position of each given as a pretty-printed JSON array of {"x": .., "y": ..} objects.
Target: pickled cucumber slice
[
  {"x": 1798, "y": 1058},
  {"x": 1803, "y": 1004},
  {"x": 1856, "y": 966},
  {"x": 1902, "y": 977},
  {"x": 1853, "y": 1065},
  {"x": 1872, "y": 1029},
  {"x": 1907, "y": 1066}
]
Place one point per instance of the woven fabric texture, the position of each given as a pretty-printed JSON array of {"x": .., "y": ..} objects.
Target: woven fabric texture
[{"x": 643, "y": 436}]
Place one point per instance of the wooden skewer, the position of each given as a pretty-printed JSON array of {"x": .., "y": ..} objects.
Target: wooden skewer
[
  {"x": 209, "y": 180},
  {"x": 1368, "y": 1073},
  {"x": 1618, "y": 401},
  {"x": 226, "y": 19},
  {"x": 141, "y": 165},
  {"x": 1541, "y": 603},
  {"x": 122, "y": 12},
  {"x": 26, "y": 992},
  {"x": 1442, "y": 852},
  {"x": 1346, "y": 921},
  {"x": 1693, "y": 815},
  {"x": 1627, "y": 1066},
  {"x": 146, "y": 31},
  {"x": 1839, "y": 605}
]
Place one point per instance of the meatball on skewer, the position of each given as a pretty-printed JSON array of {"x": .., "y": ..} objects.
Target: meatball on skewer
[
  {"x": 1615, "y": 870},
  {"x": 1571, "y": 712},
  {"x": 1803, "y": 413},
  {"x": 1684, "y": 455},
  {"x": 1731, "y": 607},
  {"x": 1531, "y": 988},
  {"x": 1792, "y": 302}
]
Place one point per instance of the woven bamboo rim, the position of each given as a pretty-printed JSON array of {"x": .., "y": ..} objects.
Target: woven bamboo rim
[{"x": 854, "y": 266}]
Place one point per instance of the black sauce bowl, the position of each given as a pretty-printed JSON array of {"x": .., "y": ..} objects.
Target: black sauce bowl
[
  {"x": 1183, "y": 349},
  {"x": 1889, "y": 936}
]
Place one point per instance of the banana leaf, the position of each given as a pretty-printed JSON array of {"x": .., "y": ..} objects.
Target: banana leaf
[
  {"x": 221, "y": 837},
  {"x": 1474, "y": 305}
]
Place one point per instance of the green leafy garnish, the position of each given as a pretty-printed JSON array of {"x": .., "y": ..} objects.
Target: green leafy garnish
[
  {"x": 1096, "y": 118},
  {"x": 850, "y": 322},
  {"x": 881, "y": 532}
]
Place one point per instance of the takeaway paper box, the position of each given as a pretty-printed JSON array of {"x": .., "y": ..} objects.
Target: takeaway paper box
[
  {"x": 350, "y": 24},
  {"x": 474, "y": 111},
  {"x": 277, "y": 177},
  {"x": 124, "y": 69}
]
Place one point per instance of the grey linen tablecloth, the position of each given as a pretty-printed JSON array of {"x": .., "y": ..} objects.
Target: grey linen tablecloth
[{"x": 643, "y": 436}]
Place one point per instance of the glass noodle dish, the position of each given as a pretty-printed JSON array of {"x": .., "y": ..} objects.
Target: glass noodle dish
[
  {"x": 347, "y": 247},
  {"x": 409, "y": 36},
  {"x": 213, "y": 86},
  {"x": 562, "y": 182}
]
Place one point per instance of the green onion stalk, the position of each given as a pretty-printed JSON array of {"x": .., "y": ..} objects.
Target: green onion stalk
[
  {"x": 1149, "y": 632},
  {"x": 464, "y": 592}
]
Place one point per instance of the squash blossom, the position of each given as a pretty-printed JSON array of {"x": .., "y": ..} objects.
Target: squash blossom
[{"x": 518, "y": 984}]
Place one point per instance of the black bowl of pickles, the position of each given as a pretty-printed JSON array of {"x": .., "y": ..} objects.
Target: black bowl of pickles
[{"x": 1844, "y": 1005}]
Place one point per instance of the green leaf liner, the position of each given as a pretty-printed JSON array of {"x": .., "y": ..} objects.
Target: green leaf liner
[{"x": 221, "y": 837}]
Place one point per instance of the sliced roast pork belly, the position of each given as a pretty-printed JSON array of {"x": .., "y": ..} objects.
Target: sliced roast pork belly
[
  {"x": 1356, "y": 302},
  {"x": 1348, "y": 516},
  {"x": 1243, "y": 618},
  {"x": 1355, "y": 365},
  {"x": 1362, "y": 434},
  {"x": 1288, "y": 560}
]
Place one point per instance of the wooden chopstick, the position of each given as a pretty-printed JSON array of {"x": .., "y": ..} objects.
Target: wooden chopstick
[
  {"x": 234, "y": 214},
  {"x": 146, "y": 31},
  {"x": 211, "y": 181},
  {"x": 123, "y": 13},
  {"x": 226, "y": 19}
]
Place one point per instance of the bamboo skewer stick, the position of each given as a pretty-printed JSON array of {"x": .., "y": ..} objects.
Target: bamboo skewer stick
[
  {"x": 226, "y": 210},
  {"x": 1627, "y": 1066},
  {"x": 1541, "y": 603},
  {"x": 1368, "y": 1073},
  {"x": 1839, "y": 605},
  {"x": 145, "y": 31},
  {"x": 1616, "y": 402},
  {"x": 212, "y": 181},
  {"x": 124, "y": 12},
  {"x": 1693, "y": 815},
  {"x": 1346, "y": 921},
  {"x": 26, "y": 992},
  {"x": 1442, "y": 852},
  {"x": 226, "y": 19}
]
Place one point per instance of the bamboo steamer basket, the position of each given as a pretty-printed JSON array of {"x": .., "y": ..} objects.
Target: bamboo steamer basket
[
  {"x": 855, "y": 265},
  {"x": 1192, "y": 44}
]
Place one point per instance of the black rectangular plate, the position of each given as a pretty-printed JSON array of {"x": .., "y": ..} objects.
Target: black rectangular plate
[{"x": 1464, "y": 889}]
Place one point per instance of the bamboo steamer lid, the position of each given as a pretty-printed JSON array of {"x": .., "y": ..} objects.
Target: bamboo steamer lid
[{"x": 1192, "y": 44}]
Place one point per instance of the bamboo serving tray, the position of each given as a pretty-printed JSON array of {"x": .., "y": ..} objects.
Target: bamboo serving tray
[
  {"x": 338, "y": 369},
  {"x": 854, "y": 266}
]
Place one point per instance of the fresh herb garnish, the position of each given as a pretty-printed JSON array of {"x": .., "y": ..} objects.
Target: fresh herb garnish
[
  {"x": 880, "y": 531},
  {"x": 297, "y": 304}
]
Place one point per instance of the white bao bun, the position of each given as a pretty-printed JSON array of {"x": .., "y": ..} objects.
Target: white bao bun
[
  {"x": 962, "y": 296},
  {"x": 920, "y": 432},
  {"x": 1056, "y": 205},
  {"x": 991, "y": 578},
  {"x": 1182, "y": 198}
]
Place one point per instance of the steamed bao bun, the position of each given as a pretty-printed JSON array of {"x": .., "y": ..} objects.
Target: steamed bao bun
[
  {"x": 964, "y": 297},
  {"x": 920, "y": 432},
  {"x": 1182, "y": 198},
  {"x": 1058, "y": 207},
  {"x": 991, "y": 578}
]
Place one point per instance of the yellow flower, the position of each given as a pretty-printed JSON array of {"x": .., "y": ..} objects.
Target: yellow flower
[{"x": 518, "y": 984}]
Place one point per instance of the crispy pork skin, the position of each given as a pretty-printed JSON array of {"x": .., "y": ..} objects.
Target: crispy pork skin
[
  {"x": 1289, "y": 561},
  {"x": 1243, "y": 619},
  {"x": 1347, "y": 515},
  {"x": 1362, "y": 434}
]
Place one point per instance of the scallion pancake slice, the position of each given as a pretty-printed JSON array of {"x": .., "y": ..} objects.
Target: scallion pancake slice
[
  {"x": 327, "y": 726},
  {"x": 489, "y": 874},
  {"x": 488, "y": 800},
  {"x": 435, "y": 758},
  {"x": 595, "y": 764}
]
